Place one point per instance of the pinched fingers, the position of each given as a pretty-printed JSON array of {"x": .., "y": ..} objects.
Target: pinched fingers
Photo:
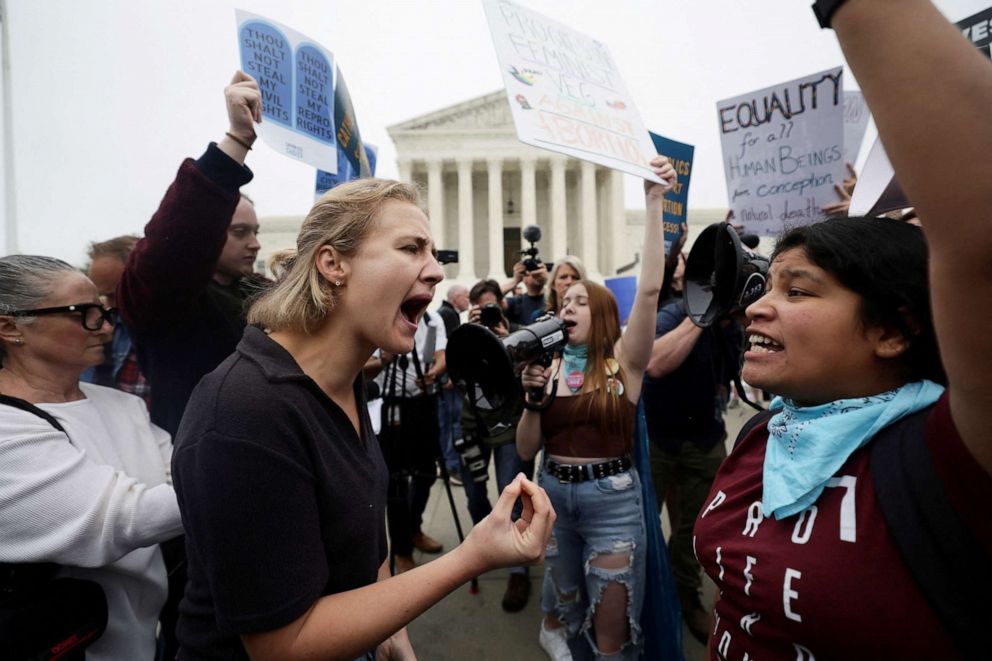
[{"x": 542, "y": 516}]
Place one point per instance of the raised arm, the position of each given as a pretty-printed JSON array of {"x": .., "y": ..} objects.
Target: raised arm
[
  {"x": 183, "y": 241},
  {"x": 932, "y": 115},
  {"x": 634, "y": 348}
]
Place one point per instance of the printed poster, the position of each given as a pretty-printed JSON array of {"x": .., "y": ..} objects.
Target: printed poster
[
  {"x": 296, "y": 77},
  {"x": 978, "y": 30},
  {"x": 783, "y": 151},
  {"x": 565, "y": 91},
  {"x": 676, "y": 204},
  {"x": 346, "y": 172}
]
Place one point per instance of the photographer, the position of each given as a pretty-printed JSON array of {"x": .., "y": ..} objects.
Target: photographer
[
  {"x": 480, "y": 440},
  {"x": 410, "y": 436},
  {"x": 522, "y": 309}
]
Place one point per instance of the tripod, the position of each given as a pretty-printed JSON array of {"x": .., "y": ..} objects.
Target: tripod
[{"x": 410, "y": 440}]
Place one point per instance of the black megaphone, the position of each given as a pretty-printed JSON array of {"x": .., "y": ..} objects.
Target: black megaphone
[{"x": 721, "y": 276}]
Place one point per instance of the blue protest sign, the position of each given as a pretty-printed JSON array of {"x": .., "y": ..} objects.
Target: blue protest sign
[
  {"x": 265, "y": 55},
  {"x": 624, "y": 289},
  {"x": 676, "y": 204},
  {"x": 314, "y": 94},
  {"x": 296, "y": 78},
  {"x": 328, "y": 180}
]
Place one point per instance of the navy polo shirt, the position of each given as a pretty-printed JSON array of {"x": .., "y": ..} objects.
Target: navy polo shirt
[{"x": 281, "y": 500}]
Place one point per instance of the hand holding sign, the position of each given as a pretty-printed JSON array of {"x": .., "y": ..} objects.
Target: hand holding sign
[
  {"x": 244, "y": 109},
  {"x": 664, "y": 170}
]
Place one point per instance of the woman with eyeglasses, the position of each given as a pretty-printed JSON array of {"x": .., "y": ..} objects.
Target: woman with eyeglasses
[{"x": 96, "y": 498}]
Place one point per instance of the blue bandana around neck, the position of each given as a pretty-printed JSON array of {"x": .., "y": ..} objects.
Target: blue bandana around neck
[{"x": 808, "y": 444}]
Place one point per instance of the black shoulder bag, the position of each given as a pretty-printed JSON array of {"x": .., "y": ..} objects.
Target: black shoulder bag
[{"x": 43, "y": 617}]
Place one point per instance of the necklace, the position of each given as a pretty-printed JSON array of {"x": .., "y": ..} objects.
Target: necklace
[{"x": 574, "y": 359}]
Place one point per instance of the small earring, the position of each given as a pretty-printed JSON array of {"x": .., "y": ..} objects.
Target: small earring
[
  {"x": 337, "y": 283},
  {"x": 18, "y": 340}
]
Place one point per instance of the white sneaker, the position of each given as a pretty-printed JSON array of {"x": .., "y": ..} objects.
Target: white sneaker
[{"x": 553, "y": 642}]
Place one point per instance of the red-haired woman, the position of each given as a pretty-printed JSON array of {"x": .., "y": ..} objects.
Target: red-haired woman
[{"x": 595, "y": 580}]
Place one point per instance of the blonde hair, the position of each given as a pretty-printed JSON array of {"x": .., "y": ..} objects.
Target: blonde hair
[{"x": 342, "y": 218}]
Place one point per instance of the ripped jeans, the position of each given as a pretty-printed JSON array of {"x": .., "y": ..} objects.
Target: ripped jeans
[{"x": 598, "y": 540}]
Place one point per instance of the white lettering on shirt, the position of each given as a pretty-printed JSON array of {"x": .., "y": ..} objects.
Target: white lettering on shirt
[
  {"x": 748, "y": 621},
  {"x": 803, "y": 654},
  {"x": 724, "y": 647},
  {"x": 754, "y": 519},
  {"x": 719, "y": 560},
  {"x": 751, "y": 561},
  {"x": 716, "y": 502},
  {"x": 788, "y": 594},
  {"x": 800, "y": 536},
  {"x": 848, "y": 515}
]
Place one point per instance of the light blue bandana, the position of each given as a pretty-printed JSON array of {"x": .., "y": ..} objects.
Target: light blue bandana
[{"x": 808, "y": 444}]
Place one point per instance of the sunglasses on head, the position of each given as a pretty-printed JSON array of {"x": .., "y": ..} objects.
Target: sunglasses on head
[{"x": 91, "y": 315}]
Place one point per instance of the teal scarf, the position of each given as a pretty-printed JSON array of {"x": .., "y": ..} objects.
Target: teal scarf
[
  {"x": 574, "y": 360},
  {"x": 807, "y": 445}
]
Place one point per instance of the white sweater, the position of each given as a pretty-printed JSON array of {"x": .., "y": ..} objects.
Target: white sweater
[{"x": 99, "y": 505}]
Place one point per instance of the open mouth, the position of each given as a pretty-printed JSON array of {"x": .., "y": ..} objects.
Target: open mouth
[
  {"x": 413, "y": 308},
  {"x": 763, "y": 344}
]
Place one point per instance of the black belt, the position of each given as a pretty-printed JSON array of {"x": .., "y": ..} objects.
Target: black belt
[{"x": 582, "y": 472}]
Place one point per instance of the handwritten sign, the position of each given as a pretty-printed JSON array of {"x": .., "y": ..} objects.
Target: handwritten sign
[
  {"x": 856, "y": 116},
  {"x": 296, "y": 77},
  {"x": 565, "y": 91},
  {"x": 978, "y": 30},
  {"x": 783, "y": 151},
  {"x": 675, "y": 208}
]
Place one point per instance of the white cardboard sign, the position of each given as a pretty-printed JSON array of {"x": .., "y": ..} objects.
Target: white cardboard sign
[
  {"x": 783, "y": 151},
  {"x": 565, "y": 91}
]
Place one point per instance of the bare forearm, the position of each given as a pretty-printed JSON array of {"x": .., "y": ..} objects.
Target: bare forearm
[
  {"x": 345, "y": 625},
  {"x": 529, "y": 439},
  {"x": 671, "y": 349},
  {"x": 931, "y": 112}
]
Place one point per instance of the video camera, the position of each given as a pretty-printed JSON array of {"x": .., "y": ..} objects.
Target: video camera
[
  {"x": 531, "y": 262},
  {"x": 721, "y": 276}
]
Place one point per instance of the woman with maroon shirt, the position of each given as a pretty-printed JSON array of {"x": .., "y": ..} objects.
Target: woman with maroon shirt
[{"x": 793, "y": 534}]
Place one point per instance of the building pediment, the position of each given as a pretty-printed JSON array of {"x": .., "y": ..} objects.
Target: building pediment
[{"x": 485, "y": 112}]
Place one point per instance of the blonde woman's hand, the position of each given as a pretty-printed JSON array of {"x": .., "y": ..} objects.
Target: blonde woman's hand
[{"x": 498, "y": 541}]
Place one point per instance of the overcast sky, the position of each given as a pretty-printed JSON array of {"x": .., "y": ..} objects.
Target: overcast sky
[{"x": 109, "y": 96}]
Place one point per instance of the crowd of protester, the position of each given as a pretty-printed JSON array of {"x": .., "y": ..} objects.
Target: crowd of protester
[{"x": 197, "y": 461}]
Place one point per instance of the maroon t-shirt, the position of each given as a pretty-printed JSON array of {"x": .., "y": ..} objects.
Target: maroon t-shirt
[{"x": 827, "y": 583}]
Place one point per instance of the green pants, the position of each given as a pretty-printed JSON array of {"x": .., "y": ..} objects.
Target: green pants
[{"x": 684, "y": 479}]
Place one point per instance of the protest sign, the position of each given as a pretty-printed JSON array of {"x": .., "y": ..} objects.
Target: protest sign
[
  {"x": 624, "y": 288},
  {"x": 676, "y": 204},
  {"x": 978, "y": 30},
  {"x": 296, "y": 78},
  {"x": 346, "y": 172},
  {"x": 856, "y": 116},
  {"x": 565, "y": 92},
  {"x": 783, "y": 151}
]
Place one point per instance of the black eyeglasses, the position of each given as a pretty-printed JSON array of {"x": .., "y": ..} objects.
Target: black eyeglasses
[{"x": 91, "y": 315}]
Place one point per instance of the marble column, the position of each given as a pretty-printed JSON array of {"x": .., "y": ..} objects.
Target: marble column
[
  {"x": 466, "y": 224},
  {"x": 617, "y": 224},
  {"x": 406, "y": 171},
  {"x": 494, "y": 168},
  {"x": 435, "y": 200},
  {"x": 559, "y": 219},
  {"x": 590, "y": 238}
]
